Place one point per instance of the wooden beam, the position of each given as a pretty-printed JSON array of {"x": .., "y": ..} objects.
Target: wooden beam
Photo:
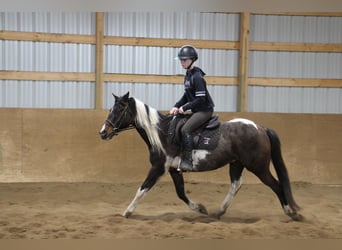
[
  {"x": 99, "y": 61},
  {"x": 178, "y": 79},
  {"x": 46, "y": 76},
  {"x": 46, "y": 37},
  {"x": 298, "y": 47},
  {"x": 327, "y": 14},
  {"x": 243, "y": 63},
  {"x": 175, "y": 43},
  {"x": 296, "y": 82},
  {"x": 173, "y": 79}
]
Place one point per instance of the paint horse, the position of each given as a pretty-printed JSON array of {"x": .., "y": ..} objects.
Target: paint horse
[{"x": 241, "y": 144}]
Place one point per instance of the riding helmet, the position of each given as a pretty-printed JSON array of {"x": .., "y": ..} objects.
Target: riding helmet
[{"x": 187, "y": 52}]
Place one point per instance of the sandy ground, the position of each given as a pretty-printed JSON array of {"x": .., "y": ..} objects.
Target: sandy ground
[{"x": 93, "y": 211}]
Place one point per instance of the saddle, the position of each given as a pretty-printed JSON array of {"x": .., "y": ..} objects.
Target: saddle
[{"x": 205, "y": 137}]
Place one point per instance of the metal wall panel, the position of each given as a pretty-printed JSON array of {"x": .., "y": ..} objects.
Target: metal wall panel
[
  {"x": 46, "y": 94},
  {"x": 156, "y": 60},
  {"x": 183, "y": 25},
  {"x": 295, "y": 64},
  {"x": 41, "y": 56},
  {"x": 164, "y": 96},
  {"x": 295, "y": 100},
  {"x": 47, "y": 57},
  {"x": 296, "y": 29},
  {"x": 52, "y": 22},
  {"x": 152, "y": 60}
]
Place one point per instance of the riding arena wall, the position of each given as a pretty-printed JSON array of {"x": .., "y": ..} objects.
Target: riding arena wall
[
  {"x": 63, "y": 145},
  {"x": 56, "y": 83}
]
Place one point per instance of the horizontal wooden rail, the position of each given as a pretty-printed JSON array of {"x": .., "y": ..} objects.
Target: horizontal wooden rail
[
  {"x": 296, "y": 47},
  {"x": 46, "y": 37},
  {"x": 178, "y": 79},
  {"x": 165, "y": 42},
  {"x": 296, "y": 82},
  {"x": 172, "y": 79},
  {"x": 46, "y": 76},
  {"x": 175, "y": 43},
  {"x": 328, "y": 14}
]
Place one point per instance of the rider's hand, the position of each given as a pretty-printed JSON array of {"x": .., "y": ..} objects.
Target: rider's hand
[
  {"x": 180, "y": 110},
  {"x": 174, "y": 111}
]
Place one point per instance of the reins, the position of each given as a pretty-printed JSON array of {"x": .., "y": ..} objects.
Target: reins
[{"x": 117, "y": 130}]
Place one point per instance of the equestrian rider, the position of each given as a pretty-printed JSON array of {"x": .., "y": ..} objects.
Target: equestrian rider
[{"x": 195, "y": 98}]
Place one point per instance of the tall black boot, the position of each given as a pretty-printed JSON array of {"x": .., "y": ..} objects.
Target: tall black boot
[{"x": 186, "y": 161}]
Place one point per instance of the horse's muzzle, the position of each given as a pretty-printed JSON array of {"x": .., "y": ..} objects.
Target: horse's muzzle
[{"x": 105, "y": 136}]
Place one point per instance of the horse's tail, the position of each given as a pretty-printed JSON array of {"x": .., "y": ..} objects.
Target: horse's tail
[{"x": 280, "y": 168}]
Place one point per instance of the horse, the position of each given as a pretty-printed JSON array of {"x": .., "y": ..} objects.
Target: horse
[{"x": 241, "y": 144}]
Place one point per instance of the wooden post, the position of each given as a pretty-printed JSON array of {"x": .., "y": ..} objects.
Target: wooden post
[
  {"x": 99, "y": 61},
  {"x": 243, "y": 63}
]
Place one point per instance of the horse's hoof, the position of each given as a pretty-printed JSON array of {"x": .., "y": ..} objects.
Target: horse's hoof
[
  {"x": 202, "y": 209},
  {"x": 217, "y": 215},
  {"x": 127, "y": 214},
  {"x": 296, "y": 217}
]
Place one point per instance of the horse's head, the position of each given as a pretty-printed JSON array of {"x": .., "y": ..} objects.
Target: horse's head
[{"x": 120, "y": 118}]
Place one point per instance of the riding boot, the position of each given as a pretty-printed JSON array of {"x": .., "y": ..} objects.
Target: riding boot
[{"x": 186, "y": 161}]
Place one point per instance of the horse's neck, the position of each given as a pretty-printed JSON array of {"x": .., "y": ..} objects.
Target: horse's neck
[{"x": 157, "y": 140}]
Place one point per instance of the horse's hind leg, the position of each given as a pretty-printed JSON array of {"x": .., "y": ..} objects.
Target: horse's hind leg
[
  {"x": 178, "y": 180},
  {"x": 267, "y": 178},
  {"x": 235, "y": 172},
  {"x": 151, "y": 179}
]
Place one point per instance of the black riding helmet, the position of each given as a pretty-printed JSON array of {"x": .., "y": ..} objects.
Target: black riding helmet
[{"x": 187, "y": 52}]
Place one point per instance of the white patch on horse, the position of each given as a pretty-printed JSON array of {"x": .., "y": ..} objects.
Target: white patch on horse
[
  {"x": 103, "y": 128},
  {"x": 198, "y": 155},
  {"x": 171, "y": 162},
  {"x": 149, "y": 122},
  {"x": 244, "y": 121}
]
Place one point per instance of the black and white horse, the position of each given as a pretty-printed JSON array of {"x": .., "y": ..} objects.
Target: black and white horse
[{"x": 241, "y": 144}]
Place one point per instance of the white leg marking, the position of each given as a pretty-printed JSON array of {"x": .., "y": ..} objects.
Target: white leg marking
[
  {"x": 234, "y": 188},
  {"x": 139, "y": 195},
  {"x": 245, "y": 121},
  {"x": 288, "y": 210}
]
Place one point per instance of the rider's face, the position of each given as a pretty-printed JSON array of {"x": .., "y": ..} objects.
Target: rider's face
[{"x": 185, "y": 63}]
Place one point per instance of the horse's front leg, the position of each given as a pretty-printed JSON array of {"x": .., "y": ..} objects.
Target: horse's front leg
[
  {"x": 178, "y": 180},
  {"x": 151, "y": 179}
]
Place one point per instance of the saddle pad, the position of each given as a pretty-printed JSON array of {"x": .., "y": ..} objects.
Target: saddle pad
[{"x": 207, "y": 139}]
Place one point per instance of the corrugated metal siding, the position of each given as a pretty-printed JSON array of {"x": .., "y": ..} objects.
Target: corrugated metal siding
[
  {"x": 155, "y": 60},
  {"x": 40, "y": 56},
  {"x": 49, "y": 57},
  {"x": 46, "y": 94},
  {"x": 152, "y": 60},
  {"x": 295, "y": 100},
  {"x": 52, "y": 22},
  {"x": 164, "y": 96},
  {"x": 308, "y": 29},
  {"x": 183, "y": 25},
  {"x": 295, "y": 64},
  {"x": 296, "y": 29}
]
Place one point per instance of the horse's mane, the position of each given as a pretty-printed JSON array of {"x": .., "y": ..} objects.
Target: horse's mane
[{"x": 148, "y": 118}]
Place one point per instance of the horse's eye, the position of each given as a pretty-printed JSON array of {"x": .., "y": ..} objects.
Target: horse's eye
[{"x": 110, "y": 110}]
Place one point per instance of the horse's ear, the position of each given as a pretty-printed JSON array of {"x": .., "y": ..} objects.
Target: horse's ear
[
  {"x": 126, "y": 96},
  {"x": 115, "y": 97}
]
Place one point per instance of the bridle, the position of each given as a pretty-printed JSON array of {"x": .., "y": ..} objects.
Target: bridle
[{"x": 116, "y": 129}]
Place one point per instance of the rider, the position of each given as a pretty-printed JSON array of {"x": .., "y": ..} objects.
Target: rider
[{"x": 195, "y": 98}]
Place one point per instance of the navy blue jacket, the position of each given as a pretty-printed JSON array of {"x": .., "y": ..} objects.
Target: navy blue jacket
[{"x": 196, "y": 96}]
